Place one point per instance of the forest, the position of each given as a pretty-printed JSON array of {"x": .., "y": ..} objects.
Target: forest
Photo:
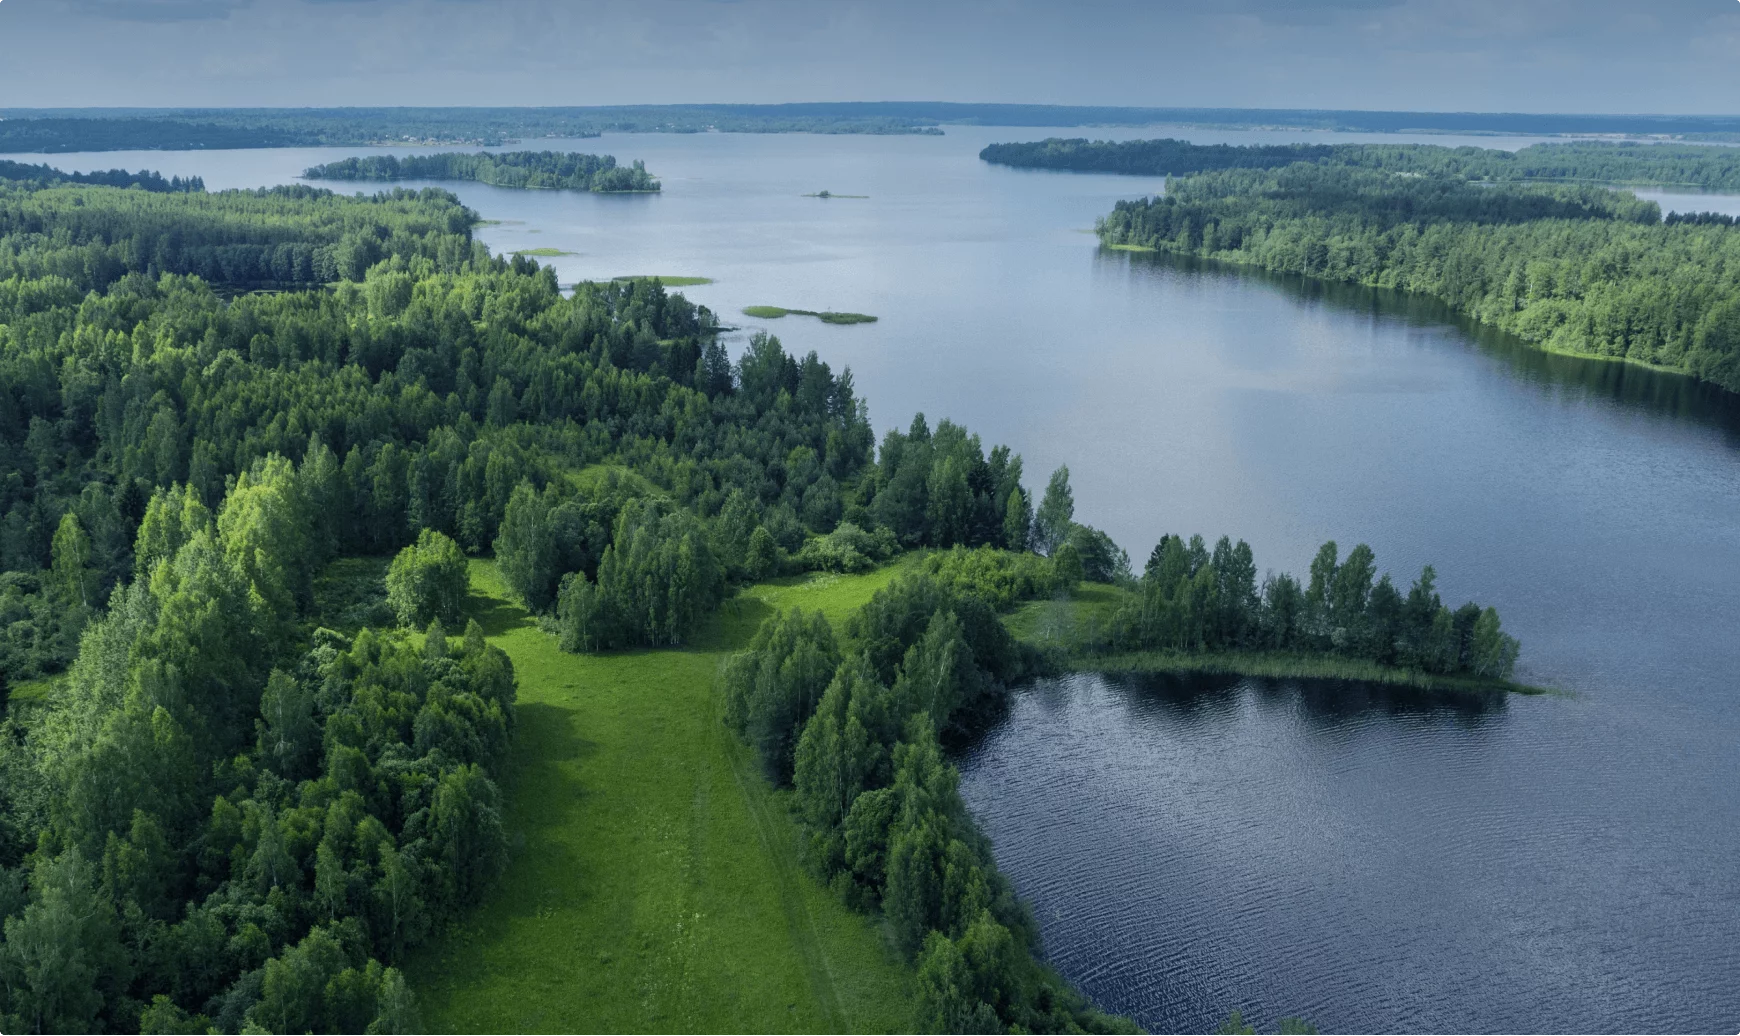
[
  {"x": 235, "y": 799},
  {"x": 529, "y": 169},
  {"x": 1581, "y": 270},
  {"x": 1680, "y": 165}
]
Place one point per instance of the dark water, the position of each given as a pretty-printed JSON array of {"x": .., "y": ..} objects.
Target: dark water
[{"x": 1372, "y": 862}]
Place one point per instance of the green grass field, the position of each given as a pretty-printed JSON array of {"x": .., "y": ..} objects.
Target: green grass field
[
  {"x": 656, "y": 883},
  {"x": 826, "y": 317}
]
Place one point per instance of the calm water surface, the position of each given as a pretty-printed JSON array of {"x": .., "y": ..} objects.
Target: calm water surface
[{"x": 1370, "y": 860}]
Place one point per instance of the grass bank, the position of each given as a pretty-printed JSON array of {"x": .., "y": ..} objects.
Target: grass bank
[
  {"x": 541, "y": 252},
  {"x": 1063, "y": 628},
  {"x": 655, "y": 882},
  {"x": 775, "y": 312}
]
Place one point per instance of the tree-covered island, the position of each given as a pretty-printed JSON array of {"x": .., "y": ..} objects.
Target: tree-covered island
[{"x": 528, "y": 169}]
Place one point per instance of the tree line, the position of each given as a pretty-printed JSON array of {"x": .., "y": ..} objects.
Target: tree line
[
  {"x": 852, "y": 722},
  {"x": 1191, "y": 599},
  {"x": 144, "y": 179},
  {"x": 1573, "y": 269},
  {"x": 540, "y": 169},
  {"x": 1710, "y": 168}
]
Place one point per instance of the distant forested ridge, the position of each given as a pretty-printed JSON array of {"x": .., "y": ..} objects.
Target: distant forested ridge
[
  {"x": 1704, "y": 166},
  {"x": 172, "y": 129},
  {"x": 1575, "y": 269},
  {"x": 547, "y": 169}
]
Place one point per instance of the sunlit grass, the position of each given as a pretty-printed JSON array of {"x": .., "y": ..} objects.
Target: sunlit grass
[{"x": 656, "y": 882}]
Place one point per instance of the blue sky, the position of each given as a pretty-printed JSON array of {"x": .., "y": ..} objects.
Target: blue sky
[{"x": 1678, "y": 56}]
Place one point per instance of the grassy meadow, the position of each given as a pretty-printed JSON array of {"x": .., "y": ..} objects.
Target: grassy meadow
[{"x": 656, "y": 881}]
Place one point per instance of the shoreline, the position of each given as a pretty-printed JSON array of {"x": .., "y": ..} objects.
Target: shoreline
[
  {"x": 1468, "y": 314},
  {"x": 1280, "y": 665}
]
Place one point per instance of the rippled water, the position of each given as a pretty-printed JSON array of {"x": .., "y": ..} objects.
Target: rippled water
[{"x": 1369, "y": 860}]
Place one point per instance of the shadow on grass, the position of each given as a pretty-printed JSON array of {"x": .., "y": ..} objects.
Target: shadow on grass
[{"x": 497, "y": 617}]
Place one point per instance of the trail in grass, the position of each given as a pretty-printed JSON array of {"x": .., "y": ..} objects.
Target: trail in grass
[{"x": 656, "y": 881}]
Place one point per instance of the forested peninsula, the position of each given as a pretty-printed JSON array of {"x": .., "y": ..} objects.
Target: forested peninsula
[
  {"x": 528, "y": 169},
  {"x": 1681, "y": 165},
  {"x": 1580, "y": 270},
  {"x": 278, "y": 568}
]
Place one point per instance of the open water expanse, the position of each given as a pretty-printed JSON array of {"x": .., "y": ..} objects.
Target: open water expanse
[{"x": 1369, "y": 859}]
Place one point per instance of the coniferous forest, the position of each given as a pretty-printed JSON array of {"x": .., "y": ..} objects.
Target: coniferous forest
[
  {"x": 237, "y": 806},
  {"x": 545, "y": 169}
]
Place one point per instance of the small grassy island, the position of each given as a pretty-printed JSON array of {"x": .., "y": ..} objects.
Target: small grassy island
[
  {"x": 775, "y": 312},
  {"x": 1581, "y": 270},
  {"x": 669, "y": 282},
  {"x": 548, "y": 170},
  {"x": 831, "y": 194},
  {"x": 541, "y": 253}
]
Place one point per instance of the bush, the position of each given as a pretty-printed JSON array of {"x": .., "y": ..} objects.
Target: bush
[
  {"x": 1000, "y": 578},
  {"x": 428, "y": 580},
  {"x": 847, "y": 549}
]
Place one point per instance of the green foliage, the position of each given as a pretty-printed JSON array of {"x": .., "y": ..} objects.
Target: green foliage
[
  {"x": 846, "y": 549},
  {"x": 427, "y": 580},
  {"x": 1056, "y": 514},
  {"x": 547, "y": 169},
  {"x": 1573, "y": 269},
  {"x": 656, "y": 581},
  {"x": 772, "y": 687},
  {"x": 1190, "y": 600},
  {"x": 145, "y": 179},
  {"x": 1000, "y": 578}
]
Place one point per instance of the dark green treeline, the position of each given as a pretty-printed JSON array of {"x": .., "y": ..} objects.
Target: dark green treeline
[{"x": 548, "y": 169}]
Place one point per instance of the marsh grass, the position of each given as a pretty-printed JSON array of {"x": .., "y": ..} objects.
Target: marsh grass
[{"x": 775, "y": 312}]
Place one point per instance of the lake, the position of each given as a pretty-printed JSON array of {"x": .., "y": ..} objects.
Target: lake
[{"x": 1370, "y": 860}]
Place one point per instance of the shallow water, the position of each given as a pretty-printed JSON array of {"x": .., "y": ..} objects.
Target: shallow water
[{"x": 1370, "y": 862}]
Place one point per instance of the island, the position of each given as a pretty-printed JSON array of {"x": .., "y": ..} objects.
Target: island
[
  {"x": 526, "y": 169},
  {"x": 775, "y": 312}
]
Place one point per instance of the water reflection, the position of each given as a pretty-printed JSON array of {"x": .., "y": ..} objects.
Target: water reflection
[{"x": 1669, "y": 395}]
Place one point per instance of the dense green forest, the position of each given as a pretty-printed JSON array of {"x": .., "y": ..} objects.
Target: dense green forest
[
  {"x": 1572, "y": 269},
  {"x": 547, "y": 169},
  {"x": 146, "y": 180},
  {"x": 173, "y": 129},
  {"x": 1705, "y": 166},
  {"x": 235, "y": 797}
]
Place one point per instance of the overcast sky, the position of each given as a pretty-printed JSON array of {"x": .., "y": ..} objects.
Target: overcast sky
[{"x": 1678, "y": 56}]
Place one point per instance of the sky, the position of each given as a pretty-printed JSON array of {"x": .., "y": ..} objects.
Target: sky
[{"x": 1672, "y": 56}]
